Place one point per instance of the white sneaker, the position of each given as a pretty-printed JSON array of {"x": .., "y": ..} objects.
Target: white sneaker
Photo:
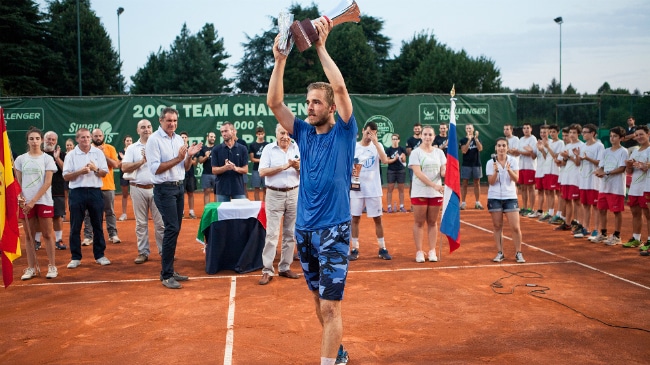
[
  {"x": 103, "y": 261},
  {"x": 463, "y": 206},
  {"x": 613, "y": 241},
  {"x": 87, "y": 242},
  {"x": 52, "y": 272},
  {"x": 598, "y": 239},
  {"x": 419, "y": 256},
  {"x": 519, "y": 257},
  {"x": 122, "y": 217},
  {"x": 28, "y": 273},
  {"x": 499, "y": 257},
  {"x": 432, "y": 256},
  {"x": 74, "y": 263},
  {"x": 534, "y": 214},
  {"x": 115, "y": 239}
]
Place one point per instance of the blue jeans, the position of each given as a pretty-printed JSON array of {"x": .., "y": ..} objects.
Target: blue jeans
[
  {"x": 226, "y": 198},
  {"x": 81, "y": 200},
  {"x": 169, "y": 201}
]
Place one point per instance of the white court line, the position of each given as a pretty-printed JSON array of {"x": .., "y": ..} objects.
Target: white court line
[
  {"x": 230, "y": 334},
  {"x": 565, "y": 258}
]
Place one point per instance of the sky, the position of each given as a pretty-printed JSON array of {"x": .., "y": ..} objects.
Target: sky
[{"x": 601, "y": 40}]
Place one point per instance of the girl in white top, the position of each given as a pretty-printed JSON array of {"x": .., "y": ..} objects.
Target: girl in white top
[
  {"x": 34, "y": 171},
  {"x": 502, "y": 173},
  {"x": 429, "y": 167}
]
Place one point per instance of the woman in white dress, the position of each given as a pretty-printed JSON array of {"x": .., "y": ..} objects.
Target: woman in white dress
[
  {"x": 503, "y": 172},
  {"x": 34, "y": 171},
  {"x": 429, "y": 166}
]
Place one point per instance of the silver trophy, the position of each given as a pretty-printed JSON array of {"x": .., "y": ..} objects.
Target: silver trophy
[{"x": 304, "y": 34}]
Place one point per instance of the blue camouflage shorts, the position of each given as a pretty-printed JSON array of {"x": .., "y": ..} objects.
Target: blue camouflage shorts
[{"x": 324, "y": 259}]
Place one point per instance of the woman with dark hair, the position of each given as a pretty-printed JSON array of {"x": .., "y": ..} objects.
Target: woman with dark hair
[
  {"x": 34, "y": 171},
  {"x": 503, "y": 172}
]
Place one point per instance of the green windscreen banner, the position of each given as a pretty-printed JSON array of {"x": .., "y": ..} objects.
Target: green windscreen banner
[{"x": 198, "y": 115}]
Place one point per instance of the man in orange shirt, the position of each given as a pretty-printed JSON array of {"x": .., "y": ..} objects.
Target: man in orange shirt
[{"x": 108, "y": 190}]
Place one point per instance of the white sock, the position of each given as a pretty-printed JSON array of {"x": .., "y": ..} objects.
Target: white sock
[
  {"x": 37, "y": 236},
  {"x": 389, "y": 206},
  {"x": 355, "y": 242},
  {"x": 637, "y": 236},
  {"x": 327, "y": 361},
  {"x": 58, "y": 235},
  {"x": 381, "y": 242},
  {"x": 401, "y": 205},
  {"x": 191, "y": 211},
  {"x": 550, "y": 211}
]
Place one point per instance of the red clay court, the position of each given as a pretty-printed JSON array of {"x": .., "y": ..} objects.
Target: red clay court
[{"x": 572, "y": 302}]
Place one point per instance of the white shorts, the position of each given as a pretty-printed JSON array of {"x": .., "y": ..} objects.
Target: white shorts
[{"x": 373, "y": 206}]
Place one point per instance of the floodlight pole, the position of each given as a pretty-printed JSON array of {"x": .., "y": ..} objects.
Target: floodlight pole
[
  {"x": 120, "y": 10},
  {"x": 559, "y": 21}
]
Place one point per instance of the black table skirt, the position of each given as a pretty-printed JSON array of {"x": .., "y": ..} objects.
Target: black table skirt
[{"x": 234, "y": 244}]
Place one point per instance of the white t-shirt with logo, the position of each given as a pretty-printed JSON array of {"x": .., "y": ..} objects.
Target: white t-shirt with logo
[
  {"x": 613, "y": 184},
  {"x": 369, "y": 176},
  {"x": 33, "y": 170},
  {"x": 430, "y": 163}
]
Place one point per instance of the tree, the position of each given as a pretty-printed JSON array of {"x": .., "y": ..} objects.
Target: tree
[
  {"x": 426, "y": 66},
  {"x": 193, "y": 65},
  {"x": 23, "y": 39},
  {"x": 358, "y": 50}
]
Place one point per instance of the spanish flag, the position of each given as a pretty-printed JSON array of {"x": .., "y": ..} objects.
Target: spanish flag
[{"x": 9, "y": 190}]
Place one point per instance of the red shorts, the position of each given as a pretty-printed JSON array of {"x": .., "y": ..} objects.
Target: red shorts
[
  {"x": 39, "y": 210},
  {"x": 431, "y": 202},
  {"x": 588, "y": 196},
  {"x": 570, "y": 192},
  {"x": 550, "y": 182},
  {"x": 613, "y": 202},
  {"x": 539, "y": 184},
  {"x": 526, "y": 177},
  {"x": 646, "y": 195},
  {"x": 640, "y": 201}
]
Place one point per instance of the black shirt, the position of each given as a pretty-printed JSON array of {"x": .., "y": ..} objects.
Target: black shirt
[
  {"x": 472, "y": 158},
  {"x": 393, "y": 152},
  {"x": 256, "y": 149},
  {"x": 230, "y": 182},
  {"x": 58, "y": 183}
]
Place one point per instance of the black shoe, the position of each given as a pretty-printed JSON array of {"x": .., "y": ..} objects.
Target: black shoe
[
  {"x": 37, "y": 245},
  {"x": 180, "y": 277},
  {"x": 60, "y": 245},
  {"x": 171, "y": 283}
]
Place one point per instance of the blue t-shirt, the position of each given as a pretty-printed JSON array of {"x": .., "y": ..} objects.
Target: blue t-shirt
[{"x": 325, "y": 173}]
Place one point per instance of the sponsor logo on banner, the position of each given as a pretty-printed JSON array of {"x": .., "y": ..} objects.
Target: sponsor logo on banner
[
  {"x": 433, "y": 113},
  {"x": 20, "y": 119},
  {"x": 106, "y": 127}
]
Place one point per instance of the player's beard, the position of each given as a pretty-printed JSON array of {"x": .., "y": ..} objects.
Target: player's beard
[{"x": 318, "y": 121}]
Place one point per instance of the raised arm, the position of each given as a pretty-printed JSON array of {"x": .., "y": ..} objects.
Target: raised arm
[
  {"x": 275, "y": 95},
  {"x": 334, "y": 76}
]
